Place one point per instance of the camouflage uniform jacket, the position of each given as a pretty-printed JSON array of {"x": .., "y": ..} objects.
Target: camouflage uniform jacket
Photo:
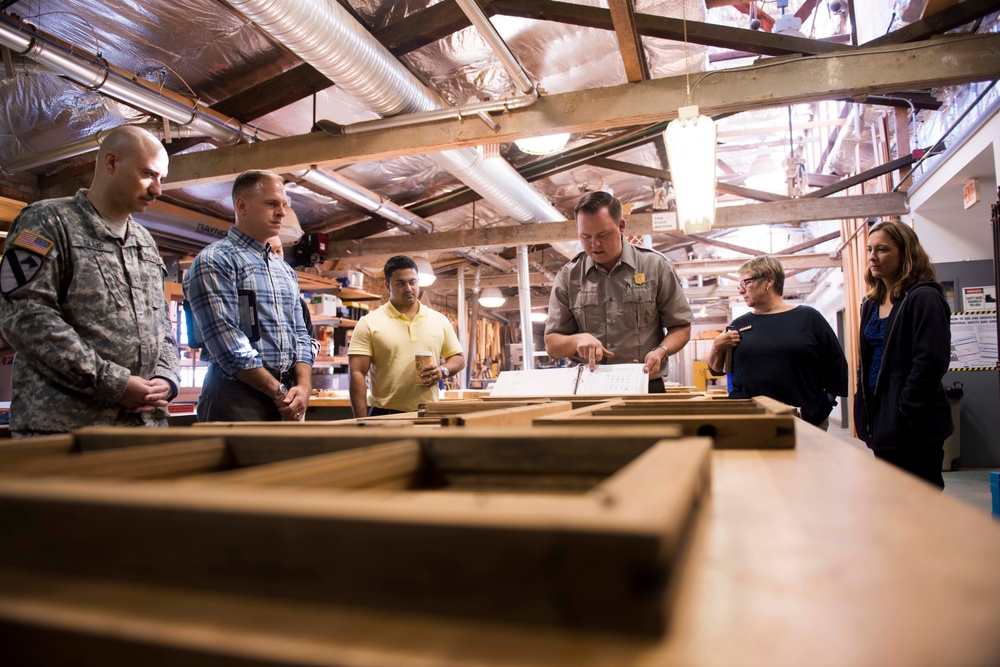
[{"x": 84, "y": 311}]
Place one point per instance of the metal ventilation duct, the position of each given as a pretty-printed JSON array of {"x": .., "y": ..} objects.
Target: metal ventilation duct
[
  {"x": 324, "y": 35},
  {"x": 119, "y": 84},
  {"x": 195, "y": 121},
  {"x": 84, "y": 145}
]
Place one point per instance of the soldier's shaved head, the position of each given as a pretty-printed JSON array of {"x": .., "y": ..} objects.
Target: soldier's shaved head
[{"x": 130, "y": 165}]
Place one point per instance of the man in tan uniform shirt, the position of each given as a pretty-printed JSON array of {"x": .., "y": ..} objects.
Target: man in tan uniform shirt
[{"x": 616, "y": 303}]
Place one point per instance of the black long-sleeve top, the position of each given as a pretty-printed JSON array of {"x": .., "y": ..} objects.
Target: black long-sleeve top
[{"x": 793, "y": 357}]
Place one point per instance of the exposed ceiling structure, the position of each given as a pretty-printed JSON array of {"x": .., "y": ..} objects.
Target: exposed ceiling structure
[{"x": 395, "y": 122}]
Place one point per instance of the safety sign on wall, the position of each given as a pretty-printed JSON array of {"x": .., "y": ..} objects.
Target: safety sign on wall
[{"x": 974, "y": 341}]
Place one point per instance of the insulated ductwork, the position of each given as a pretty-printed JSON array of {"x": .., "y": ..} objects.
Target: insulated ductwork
[
  {"x": 82, "y": 146},
  {"x": 364, "y": 198},
  {"x": 324, "y": 35},
  {"x": 123, "y": 86},
  {"x": 200, "y": 122}
]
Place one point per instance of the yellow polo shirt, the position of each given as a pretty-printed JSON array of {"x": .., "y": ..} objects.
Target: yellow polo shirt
[{"x": 391, "y": 339}]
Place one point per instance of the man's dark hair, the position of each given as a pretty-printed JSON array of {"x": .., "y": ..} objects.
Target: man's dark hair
[
  {"x": 249, "y": 179},
  {"x": 593, "y": 202},
  {"x": 396, "y": 263}
]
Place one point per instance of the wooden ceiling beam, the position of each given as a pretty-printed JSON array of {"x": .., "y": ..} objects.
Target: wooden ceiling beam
[
  {"x": 938, "y": 62},
  {"x": 867, "y": 175},
  {"x": 424, "y": 27},
  {"x": 630, "y": 168},
  {"x": 941, "y": 22},
  {"x": 629, "y": 42},
  {"x": 543, "y": 168},
  {"x": 788, "y": 262},
  {"x": 276, "y": 93},
  {"x": 791, "y": 211},
  {"x": 719, "y": 243},
  {"x": 665, "y": 27},
  {"x": 805, "y": 245}
]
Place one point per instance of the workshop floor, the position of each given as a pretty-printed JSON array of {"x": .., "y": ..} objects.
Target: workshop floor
[{"x": 970, "y": 486}]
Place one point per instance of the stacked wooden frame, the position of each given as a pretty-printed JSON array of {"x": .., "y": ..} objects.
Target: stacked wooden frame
[{"x": 578, "y": 527}]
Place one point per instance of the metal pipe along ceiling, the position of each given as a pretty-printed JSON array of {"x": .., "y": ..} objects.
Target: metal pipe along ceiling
[
  {"x": 116, "y": 83},
  {"x": 163, "y": 104},
  {"x": 324, "y": 35},
  {"x": 364, "y": 198},
  {"x": 84, "y": 145},
  {"x": 482, "y": 23}
]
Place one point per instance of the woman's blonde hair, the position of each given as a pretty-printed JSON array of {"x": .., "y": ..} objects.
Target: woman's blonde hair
[
  {"x": 766, "y": 266},
  {"x": 914, "y": 264}
]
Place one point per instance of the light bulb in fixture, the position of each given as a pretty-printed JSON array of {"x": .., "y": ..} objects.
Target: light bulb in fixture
[
  {"x": 491, "y": 297},
  {"x": 425, "y": 272},
  {"x": 544, "y": 145},
  {"x": 539, "y": 316}
]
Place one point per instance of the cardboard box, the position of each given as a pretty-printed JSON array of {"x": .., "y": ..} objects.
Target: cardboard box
[{"x": 325, "y": 305}]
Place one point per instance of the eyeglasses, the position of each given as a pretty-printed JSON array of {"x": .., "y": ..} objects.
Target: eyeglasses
[{"x": 745, "y": 282}]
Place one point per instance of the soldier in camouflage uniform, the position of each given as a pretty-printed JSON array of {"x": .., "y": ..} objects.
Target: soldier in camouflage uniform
[{"x": 82, "y": 302}]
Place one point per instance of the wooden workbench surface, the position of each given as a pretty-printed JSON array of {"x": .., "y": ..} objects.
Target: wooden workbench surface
[{"x": 818, "y": 555}]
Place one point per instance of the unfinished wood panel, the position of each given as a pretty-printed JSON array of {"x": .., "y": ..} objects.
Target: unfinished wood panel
[
  {"x": 465, "y": 406},
  {"x": 387, "y": 465},
  {"x": 567, "y": 560},
  {"x": 732, "y": 424},
  {"x": 19, "y": 450},
  {"x": 152, "y": 462},
  {"x": 516, "y": 416},
  {"x": 816, "y": 546}
]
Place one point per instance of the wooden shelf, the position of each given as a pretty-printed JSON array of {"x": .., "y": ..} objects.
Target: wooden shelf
[
  {"x": 329, "y": 321},
  {"x": 323, "y": 362},
  {"x": 310, "y": 282}
]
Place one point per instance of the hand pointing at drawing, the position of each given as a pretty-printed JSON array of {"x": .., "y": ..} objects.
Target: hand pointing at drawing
[{"x": 591, "y": 350}]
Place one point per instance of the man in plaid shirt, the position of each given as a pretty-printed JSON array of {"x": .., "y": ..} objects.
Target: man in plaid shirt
[{"x": 245, "y": 303}]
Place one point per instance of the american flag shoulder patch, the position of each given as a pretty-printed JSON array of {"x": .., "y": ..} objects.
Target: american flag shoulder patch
[{"x": 34, "y": 243}]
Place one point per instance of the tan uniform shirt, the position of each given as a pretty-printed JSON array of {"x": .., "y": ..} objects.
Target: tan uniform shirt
[{"x": 627, "y": 309}]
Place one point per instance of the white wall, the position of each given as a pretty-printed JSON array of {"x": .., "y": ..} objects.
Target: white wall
[
  {"x": 830, "y": 301},
  {"x": 947, "y": 231}
]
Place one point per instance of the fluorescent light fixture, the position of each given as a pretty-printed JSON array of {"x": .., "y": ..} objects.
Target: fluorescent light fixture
[
  {"x": 425, "y": 272},
  {"x": 539, "y": 316},
  {"x": 549, "y": 143},
  {"x": 691, "y": 152},
  {"x": 491, "y": 297}
]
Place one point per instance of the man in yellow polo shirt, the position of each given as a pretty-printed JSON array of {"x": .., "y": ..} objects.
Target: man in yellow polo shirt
[{"x": 387, "y": 341}]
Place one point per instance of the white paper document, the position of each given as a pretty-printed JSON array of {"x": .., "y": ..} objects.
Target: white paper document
[{"x": 614, "y": 379}]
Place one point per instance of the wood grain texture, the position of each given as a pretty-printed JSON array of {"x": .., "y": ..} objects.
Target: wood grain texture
[
  {"x": 161, "y": 461},
  {"x": 819, "y": 555},
  {"x": 569, "y": 559}
]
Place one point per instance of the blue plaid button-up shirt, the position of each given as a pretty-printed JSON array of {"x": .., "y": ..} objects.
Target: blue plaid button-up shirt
[{"x": 238, "y": 265}]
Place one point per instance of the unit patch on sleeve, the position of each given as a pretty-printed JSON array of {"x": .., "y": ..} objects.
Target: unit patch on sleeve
[{"x": 18, "y": 268}]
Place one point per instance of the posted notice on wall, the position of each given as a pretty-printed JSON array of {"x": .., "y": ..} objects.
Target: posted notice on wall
[
  {"x": 973, "y": 341},
  {"x": 979, "y": 298}
]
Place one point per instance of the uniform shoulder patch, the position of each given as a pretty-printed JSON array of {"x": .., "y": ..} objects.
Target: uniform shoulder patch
[
  {"x": 18, "y": 268},
  {"x": 33, "y": 242}
]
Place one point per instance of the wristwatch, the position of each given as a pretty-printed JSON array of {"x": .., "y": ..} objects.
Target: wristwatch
[
  {"x": 444, "y": 372},
  {"x": 280, "y": 393},
  {"x": 664, "y": 348}
]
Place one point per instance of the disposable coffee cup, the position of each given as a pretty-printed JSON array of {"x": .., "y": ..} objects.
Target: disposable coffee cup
[{"x": 423, "y": 360}]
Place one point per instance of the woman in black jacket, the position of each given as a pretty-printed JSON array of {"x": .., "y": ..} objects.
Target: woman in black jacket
[{"x": 900, "y": 408}]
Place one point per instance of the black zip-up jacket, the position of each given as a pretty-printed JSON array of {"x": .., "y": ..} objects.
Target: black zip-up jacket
[{"x": 908, "y": 405}]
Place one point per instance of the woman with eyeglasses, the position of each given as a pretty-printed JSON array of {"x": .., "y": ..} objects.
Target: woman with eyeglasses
[
  {"x": 900, "y": 408},
  {"x": 782, "y": 351}
]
